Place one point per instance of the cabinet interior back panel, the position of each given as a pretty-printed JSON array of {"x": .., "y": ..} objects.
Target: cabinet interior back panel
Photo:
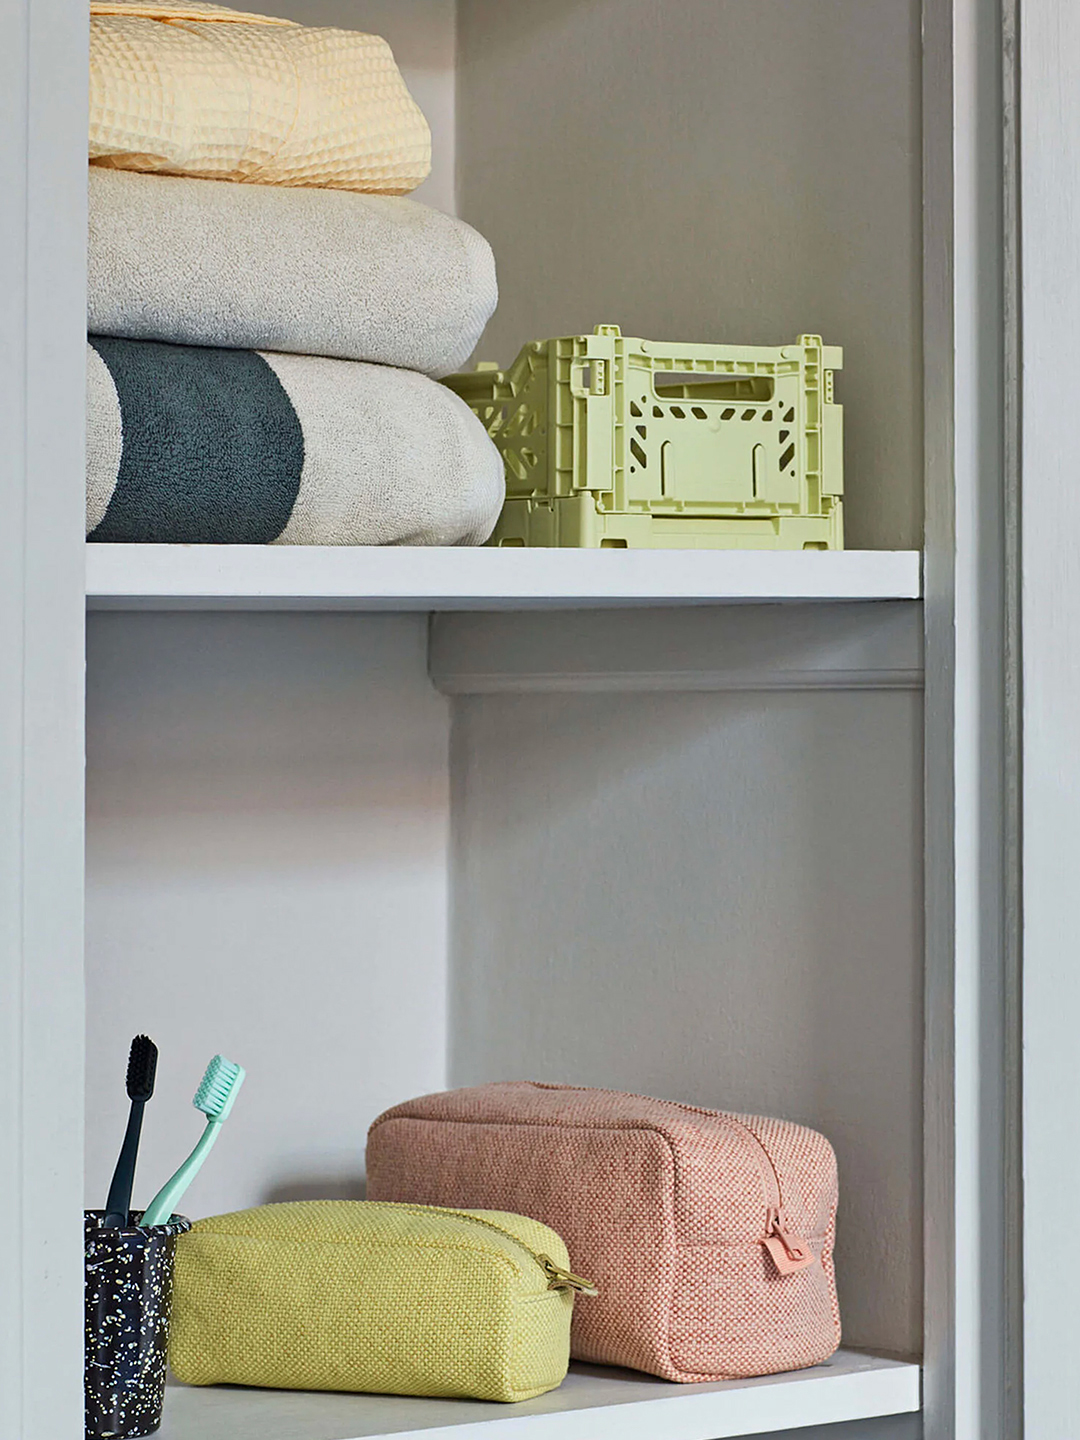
[
  {"x": 267, "y": 843},
  {"x": 712, "y": 170},
  {"x": 713, "y": 898}
]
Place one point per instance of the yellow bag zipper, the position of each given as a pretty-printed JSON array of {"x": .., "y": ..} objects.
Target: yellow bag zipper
[{"x": 558, "y": 1278}]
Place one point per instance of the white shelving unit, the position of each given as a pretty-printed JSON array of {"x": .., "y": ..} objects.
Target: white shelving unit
[
  {"x": 248, "y": 577},
  {"x": 592, "y": 1404},
  {"x": 736, "y": 828}
]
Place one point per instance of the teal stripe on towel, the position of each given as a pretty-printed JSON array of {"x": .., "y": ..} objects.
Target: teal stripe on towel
[{"x": 212, "y": 447}]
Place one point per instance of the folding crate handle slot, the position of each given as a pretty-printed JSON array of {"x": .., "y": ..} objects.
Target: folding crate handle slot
[
  {"x": 699, "y": 385},
  {"x": 588, "y": 378}
]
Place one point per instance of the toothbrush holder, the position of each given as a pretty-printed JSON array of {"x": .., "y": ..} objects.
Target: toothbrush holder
[{"x": 128, "y": 1295}]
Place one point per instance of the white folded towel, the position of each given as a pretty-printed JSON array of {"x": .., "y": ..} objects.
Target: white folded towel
[{"x": 314, "y": 272}]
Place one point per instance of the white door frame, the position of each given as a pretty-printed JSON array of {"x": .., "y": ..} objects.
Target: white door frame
[
  {"x": 43, "y": 107},
  {"x": 973, "y": 1278},
  {"x": 1049, "y": 103}
]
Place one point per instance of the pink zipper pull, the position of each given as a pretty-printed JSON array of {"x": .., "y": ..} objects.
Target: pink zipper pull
[{"x": 790, "y": 1253}]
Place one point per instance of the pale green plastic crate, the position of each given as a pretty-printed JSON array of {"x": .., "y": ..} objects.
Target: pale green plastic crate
[{"x": 610, "y": 441}]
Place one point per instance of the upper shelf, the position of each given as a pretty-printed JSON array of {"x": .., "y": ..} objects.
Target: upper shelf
[
  {"x": 272, "y": 577},
  {"x": 591, "y": 1404}
]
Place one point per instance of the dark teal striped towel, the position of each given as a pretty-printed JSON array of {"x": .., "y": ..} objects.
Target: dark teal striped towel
[{"x": 191, "y": 445}]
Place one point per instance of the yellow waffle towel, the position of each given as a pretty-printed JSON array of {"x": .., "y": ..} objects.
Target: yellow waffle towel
[
  {"x": 197, "y": 89},
  {"x": 364, "y": 1295}
]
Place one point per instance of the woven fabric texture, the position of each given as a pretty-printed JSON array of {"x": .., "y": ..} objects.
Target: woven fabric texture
[
  {"x": 313, "y": 272},
  {"x": 199, "y": 446},
  {"x": 665, "y": 1206},
  {"x": 262, "y": 103},
  {"x": 350, "y": 1295}
]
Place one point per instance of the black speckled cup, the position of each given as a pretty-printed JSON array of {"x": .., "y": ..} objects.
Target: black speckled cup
[{"x": 128, "y": 1294}]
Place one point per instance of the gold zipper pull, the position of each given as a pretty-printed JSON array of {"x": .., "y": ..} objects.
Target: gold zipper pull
[{"x": 559, "y": 1279}]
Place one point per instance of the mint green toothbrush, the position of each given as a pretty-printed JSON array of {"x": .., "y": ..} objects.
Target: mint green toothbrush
[{"x": 214, "y": 1098}]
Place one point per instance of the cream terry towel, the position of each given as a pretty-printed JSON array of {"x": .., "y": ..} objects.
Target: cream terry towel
[
  {"x": 203, "y": 90},
  {"x": 316, "y": 272}
]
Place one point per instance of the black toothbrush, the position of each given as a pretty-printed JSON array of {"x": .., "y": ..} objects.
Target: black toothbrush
[{"x": 142, "y": 1066}]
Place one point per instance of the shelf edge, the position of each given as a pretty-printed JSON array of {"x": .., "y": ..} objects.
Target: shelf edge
[{"x": 418, "y": 578}]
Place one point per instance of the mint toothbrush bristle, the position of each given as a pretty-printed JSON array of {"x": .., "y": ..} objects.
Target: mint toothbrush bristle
[
  {"x": 214, "y": 1098},
  {"x": 217, "y": 1091},
  {"x": 142, "y": 1067}
]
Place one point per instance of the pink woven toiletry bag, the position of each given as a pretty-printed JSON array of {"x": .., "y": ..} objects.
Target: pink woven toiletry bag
[{"x": 709, "y": 1235}]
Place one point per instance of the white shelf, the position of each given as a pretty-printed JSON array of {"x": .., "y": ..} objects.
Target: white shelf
[
  {"x": 253, "y": 577},
  {"x": 592, "y": 1404}
]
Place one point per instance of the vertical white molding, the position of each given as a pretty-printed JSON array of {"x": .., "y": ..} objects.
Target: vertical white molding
[
  {"x": 972, "y": 1353},
  {"x": 939, "y": 1318},
  {"x": 43, "y": 106},
  {"x": 974, "y": 479},
  {"x": 1050, "y": 607}
]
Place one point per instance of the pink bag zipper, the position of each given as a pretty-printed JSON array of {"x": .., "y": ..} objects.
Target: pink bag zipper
[{"x": 790, "y": 1252}]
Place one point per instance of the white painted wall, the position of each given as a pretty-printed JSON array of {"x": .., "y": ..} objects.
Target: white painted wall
[
  {"x": 422, "y": 35},
  {"x": 712, "y": 170},
  {"x": 266, "y": 876},
  {"x": 712, "y": 898}
]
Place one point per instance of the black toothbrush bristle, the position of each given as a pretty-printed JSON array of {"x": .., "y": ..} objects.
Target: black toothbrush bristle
[{"x": 142, "y": 1066}]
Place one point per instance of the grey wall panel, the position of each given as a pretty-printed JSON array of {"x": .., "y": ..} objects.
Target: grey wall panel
[
  {"x": 713, "y": 898},
  {"x": 712, "y": 170},
  {"x": 267, "y": 857},
  {"x": 891, "y": 1427},
  {"x": 718, "y": 647}
]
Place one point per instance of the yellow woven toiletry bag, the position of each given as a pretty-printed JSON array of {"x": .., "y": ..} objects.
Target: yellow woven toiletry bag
[{"x": 366, "y": 1295}]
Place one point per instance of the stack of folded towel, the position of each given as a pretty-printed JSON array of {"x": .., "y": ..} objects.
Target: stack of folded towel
[{"x": 267, "y": 316}]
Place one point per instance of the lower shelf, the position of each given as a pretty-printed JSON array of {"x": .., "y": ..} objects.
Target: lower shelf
[{"x": 592, "y": 1404}]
